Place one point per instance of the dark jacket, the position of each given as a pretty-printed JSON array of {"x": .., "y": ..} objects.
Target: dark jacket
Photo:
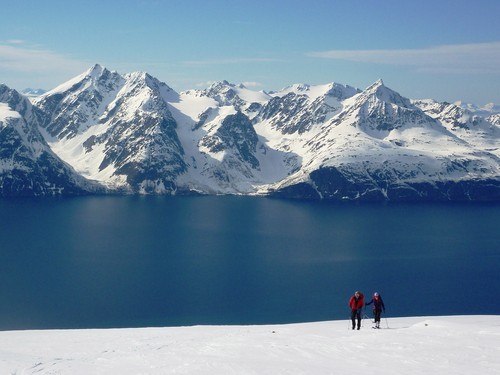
[{"x": 378, "y": 303}]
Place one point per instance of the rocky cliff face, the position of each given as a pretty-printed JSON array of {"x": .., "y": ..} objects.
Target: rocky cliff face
[
  {"x": 118, "y": 129},
  {"x": 28, "y": 167}
]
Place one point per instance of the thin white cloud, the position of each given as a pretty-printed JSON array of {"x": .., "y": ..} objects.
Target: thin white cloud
[
  {"x": 236, "y": 60},
  {"x": 16, "y": 56},
  {"x": 471, "y": 58},
  {"x": 252, "y": 84},
  {"x": 204, "y": 84},
  {"x": 15, "y": 41},
  {"x": 246, "y": 84}
]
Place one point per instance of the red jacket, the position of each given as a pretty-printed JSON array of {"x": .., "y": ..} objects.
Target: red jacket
[{"x": 357, "y": 303}]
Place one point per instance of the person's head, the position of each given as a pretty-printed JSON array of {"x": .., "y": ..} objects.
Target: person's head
[
  {"x": 375, "y": 295},
  {"x": 356, "y": 293}
]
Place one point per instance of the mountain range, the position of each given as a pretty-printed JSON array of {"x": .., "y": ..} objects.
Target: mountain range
[{"x": 108, "y": 133}]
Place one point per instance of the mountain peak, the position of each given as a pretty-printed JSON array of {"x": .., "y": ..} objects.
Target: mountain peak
[
  {"x": 376, "y": 85},
  {"x": 340, "y": 91},
  {"x": 137, "y": 75},
  {"x": 96, "y": 70},
  {"x": 297, "y": 88},
  {"x": 3, "y": 87},
  {"x": 386, "y": 94},
  {"x": 485, "y": 110},
  {"x": 219, "y": 85},
  {"x": 14, "y": 99},
  {"x": 143, "y": 78}
]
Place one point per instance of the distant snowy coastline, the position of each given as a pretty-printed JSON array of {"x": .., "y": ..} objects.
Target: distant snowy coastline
[{"x": 416, "y": 345}]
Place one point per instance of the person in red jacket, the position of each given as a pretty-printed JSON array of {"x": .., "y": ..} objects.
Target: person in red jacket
[{"x": 356, "y": 303}]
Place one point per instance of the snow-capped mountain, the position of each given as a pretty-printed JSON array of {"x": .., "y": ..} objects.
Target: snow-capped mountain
[
  {"x": 135, "y": 134},
  {"x": 381, "y": 146},
  {"x": 33, "y": 93},
  {"x": 126, "y": 132},
  {"x": 237, "y": 96},
  {"x": 485, "y": 110},
  {"x": 27, "y": 164},
  {"x": 297, "y": 108},
  {"x": 115, "y": 129}
]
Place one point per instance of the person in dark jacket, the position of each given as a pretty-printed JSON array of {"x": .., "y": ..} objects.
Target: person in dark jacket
[
  {"x": 356, "y": 303},
  {"x": 378, "y": 306}
]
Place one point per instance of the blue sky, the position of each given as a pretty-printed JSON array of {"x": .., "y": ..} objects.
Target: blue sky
[{"x": 440, "y": 49}]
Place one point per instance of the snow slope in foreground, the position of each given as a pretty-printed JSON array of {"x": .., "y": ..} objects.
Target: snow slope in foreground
[{"x": 419, "y": 345}]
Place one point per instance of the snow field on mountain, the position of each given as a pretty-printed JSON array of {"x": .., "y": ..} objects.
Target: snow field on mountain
[
  {"x": 187, "y": 109},
  {"x": 6, "y": 112},
  {"x": 251, "y": 96},
  {"x": 416, "y": 345}
]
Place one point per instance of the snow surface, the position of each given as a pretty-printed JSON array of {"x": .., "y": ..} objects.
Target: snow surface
[
  {"x": 311, "y": 91},
  {"x": 6, "y": 112},
  {"x": 249, "y": 95},
  {"x": 417, "y": 345}
]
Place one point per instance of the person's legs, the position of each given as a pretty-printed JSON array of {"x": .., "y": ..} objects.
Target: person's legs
[{"x": 377, "y": 317}]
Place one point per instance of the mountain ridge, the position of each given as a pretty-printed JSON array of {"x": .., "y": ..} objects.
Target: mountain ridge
[
  {"x": 132, "y": 133},
  {"x": 28, "y": 167}
]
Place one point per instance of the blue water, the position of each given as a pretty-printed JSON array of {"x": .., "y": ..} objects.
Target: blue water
[{"x": 163, "y": 261}]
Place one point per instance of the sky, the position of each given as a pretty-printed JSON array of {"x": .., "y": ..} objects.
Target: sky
[{"x": 439, "y": 49}]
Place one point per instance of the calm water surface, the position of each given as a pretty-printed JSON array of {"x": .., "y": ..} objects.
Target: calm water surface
[{"x": 162, "y": 261}]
